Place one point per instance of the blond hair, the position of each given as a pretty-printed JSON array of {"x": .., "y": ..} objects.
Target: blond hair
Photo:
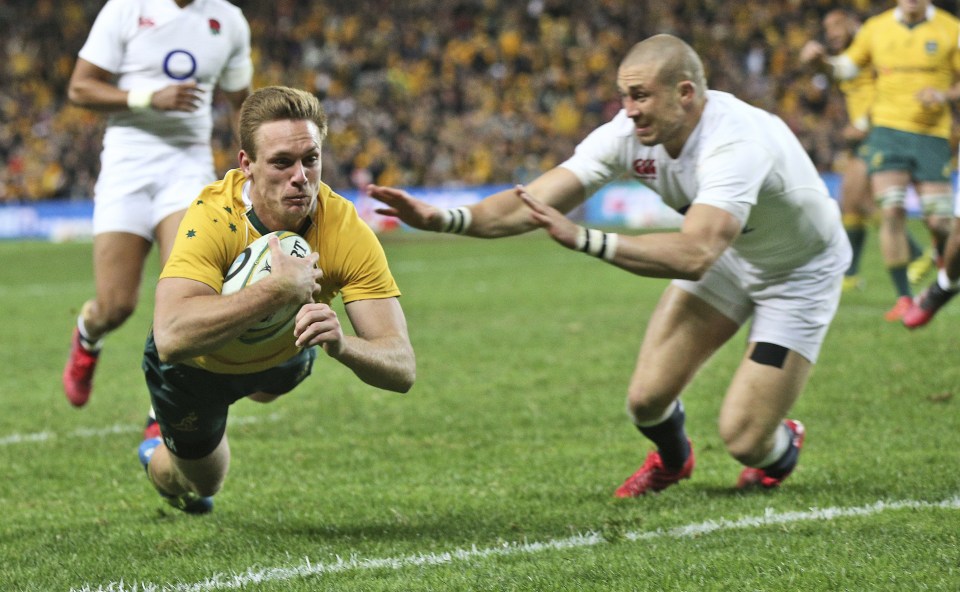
[{"x": 277, "y": 103}]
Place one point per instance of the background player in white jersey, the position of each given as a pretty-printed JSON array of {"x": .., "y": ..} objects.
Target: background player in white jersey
[
  {"x": 761, "y": 238},
  {"x": 153, "y": 66}
]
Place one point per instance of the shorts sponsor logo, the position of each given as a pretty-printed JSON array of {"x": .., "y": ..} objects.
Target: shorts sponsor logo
[{"x": 187, "y": 424}]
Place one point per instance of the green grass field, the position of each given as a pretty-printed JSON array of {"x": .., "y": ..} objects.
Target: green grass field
[{"x": 496, "y": 471}]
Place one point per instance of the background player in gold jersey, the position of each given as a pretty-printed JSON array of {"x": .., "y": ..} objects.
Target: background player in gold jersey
[
  {"x": 913, "y": 50},
  {"x": 856, "y": 197},
  {"x": 195, "y": 364}
]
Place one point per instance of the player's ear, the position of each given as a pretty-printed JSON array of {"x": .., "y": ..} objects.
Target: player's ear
[
  {"x": 244, "y": 159},
  {"x": 686, "y": 90}
]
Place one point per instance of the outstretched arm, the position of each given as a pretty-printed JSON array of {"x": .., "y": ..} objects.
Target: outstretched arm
[
  {"x": 706, "y": 232},
  {"x": 497, "y": 215}
]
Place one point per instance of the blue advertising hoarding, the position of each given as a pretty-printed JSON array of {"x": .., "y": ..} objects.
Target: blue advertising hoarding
[{"x": 625, "y": 204}]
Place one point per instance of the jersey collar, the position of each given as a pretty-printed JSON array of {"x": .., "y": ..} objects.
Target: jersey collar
[{"x": 898, "y": 15}]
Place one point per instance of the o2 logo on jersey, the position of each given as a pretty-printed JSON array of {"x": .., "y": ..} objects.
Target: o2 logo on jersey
[{"x": 180, "y": 64}]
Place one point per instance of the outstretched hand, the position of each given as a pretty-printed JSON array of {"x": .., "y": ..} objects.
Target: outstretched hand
[
  {"x": 558, "y": 226},
  {"x": 402, "y": 205}
]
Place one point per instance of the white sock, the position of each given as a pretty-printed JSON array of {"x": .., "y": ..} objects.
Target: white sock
[
  {"x": 946, "y": 283},
  {"x": 87, "y": 343},
  {"x": 780, "y": 446}
]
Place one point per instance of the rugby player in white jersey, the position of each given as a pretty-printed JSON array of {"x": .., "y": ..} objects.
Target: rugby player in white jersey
[
  {"x": 153, "y": 66},
  {"x": 761, "y": 238}
]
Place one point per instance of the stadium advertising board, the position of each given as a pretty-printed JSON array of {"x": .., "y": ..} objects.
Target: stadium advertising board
[{"x": 624, "y": 204}]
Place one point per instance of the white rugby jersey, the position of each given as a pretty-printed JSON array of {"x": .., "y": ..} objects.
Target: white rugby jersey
[
  {"x": 741, "y": 159},
  {"x": 151, "y": 44}
]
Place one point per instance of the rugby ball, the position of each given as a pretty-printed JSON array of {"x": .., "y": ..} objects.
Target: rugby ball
[{"x": 251, "y": 266}]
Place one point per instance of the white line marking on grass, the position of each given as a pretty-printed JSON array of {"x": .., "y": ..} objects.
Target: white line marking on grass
[
  {"x": 307, "y": 568},
  {"x": 112, "y": 430}
]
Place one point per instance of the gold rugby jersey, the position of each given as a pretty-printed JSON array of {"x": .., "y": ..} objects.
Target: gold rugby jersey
[
  {"x": 905, "y": 60},
  {"x": 219, "y": 225}
]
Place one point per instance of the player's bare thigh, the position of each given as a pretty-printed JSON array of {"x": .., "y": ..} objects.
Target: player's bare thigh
[
  {"x": 882, "y": 181},
  {"x": 118, "y": 259},
  {"x": 683, "y": 332},
  {"x": 856, "y": 196},
  {"x": 166, "y": 234}
]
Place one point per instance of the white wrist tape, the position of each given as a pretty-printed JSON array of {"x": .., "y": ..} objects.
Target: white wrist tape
[
  {"x": 138, "y": 99},
  {"x": 456, "y": 220},
  {"x": 596, "y": 243},
  {"x": 843, "y": 67}
]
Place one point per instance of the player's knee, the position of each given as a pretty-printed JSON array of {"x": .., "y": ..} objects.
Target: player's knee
[
  {"x": 204, "y": 480},
  {"x": 116, "y": 311},
  {"x": 744, "y": 446},
  {"x": 892, "y": 198},
  {"x": 208, "y": 488},
  {"x": 940, "y": 226},
  {"x": 743, "y": 438},
  {"x": 643, "y": 406}
]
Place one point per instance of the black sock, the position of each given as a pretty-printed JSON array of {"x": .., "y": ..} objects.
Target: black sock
[
  {"x": 900, "y": 282},
  {"x": 915, "y": 249},
  {"x": 670, "y": 438},
  {"x": 857, "y": 237}
]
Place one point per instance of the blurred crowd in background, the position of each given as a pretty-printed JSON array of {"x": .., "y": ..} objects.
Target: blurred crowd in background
[{"x": 428, "y": 92}]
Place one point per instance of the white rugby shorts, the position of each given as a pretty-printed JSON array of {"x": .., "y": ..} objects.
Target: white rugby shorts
[
  {"x": 139, "y": 186},
  {"x": 792, "y": 308}
]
